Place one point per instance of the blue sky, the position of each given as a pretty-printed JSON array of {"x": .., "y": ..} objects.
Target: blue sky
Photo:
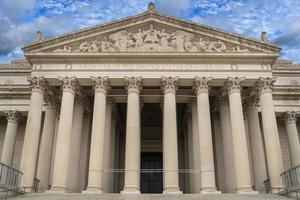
[{"x": 20, "y": 19}]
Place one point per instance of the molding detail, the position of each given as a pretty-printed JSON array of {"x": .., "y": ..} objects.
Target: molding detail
[
  {"x": 265, "y": 84},
  {"x": 69, "y": 83},
  {"x": 169, "y": 84},
  {"x": 101, "y": 84},
  {"x": 37, "y": 83},
  {"x": 133, "y": 84},
  {"x": 289, "y": 117},
  {"x": 12, "y": 115},
  {"x": 201, "y": 84},
  {"x": 233, "y": 84}
]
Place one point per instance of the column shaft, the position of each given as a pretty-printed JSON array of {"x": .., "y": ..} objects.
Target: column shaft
[
  {"x": 290, "y": 119},
  {"x": 229, "y": 171},
  {"x": 196, "y": 160},
  {"x": 170, "y": 145},
  {"x": 112, "y": 150},
  {"x": 270, "y": 132},
  {"x": 84, "y": 153},
  {"x": 75, "y": 147},
  {"x": 240, "y": 150},
  {"x": 64, "y": 135},
  {"x": 10, "y": 138},
  {"x": 208, "y": 183},
  {"x": 257, "y": 148},
  {"x": 107, "y": 146},
  {"x": 95, "y": 182},
  {"x": 32, "y": 133},
  {"x": 45, "y": 152},
  {"x": 133, "y": 137},
  {"x": 189, "y": 137}
]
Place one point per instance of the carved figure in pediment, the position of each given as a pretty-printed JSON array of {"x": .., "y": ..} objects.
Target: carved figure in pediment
[
  {"x": 164, "y": 40},
  {"x": 216, "y": 46},
  {"x": 238, "y": 49},
  {"x": 64, "y": 49},
  {"x": 178, "y": 39},
  {"x": 84, "y": 47},
  {"x": 203, "y": 45},
  {"x": 151, "y": 35},
  {"x": 94, "y": 46},
  {"x": 139, "y": 39},
  {"x": 106, "y": 46}
]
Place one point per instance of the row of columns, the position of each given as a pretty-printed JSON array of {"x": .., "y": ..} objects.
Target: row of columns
[{"x": 132, "y": 154}]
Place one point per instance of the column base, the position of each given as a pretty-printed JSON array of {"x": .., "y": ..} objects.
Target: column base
[
  {"x": 130, "y": 191},
  {"x": 172, "y": 191},
  {"x": 245, "y": 191},
  {"x": 92, "y": 190},
  {"x": 57, "y": 189},
  {"x": 210, "y": 191}
]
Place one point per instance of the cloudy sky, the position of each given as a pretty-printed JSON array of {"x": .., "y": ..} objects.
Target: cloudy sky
[{"x": 20, "y": 19}]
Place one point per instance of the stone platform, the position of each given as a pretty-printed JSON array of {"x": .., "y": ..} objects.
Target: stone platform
[{"x": 43, "y": 196}]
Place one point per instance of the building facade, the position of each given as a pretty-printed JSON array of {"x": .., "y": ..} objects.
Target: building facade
[{"x": 150, "y": 104}]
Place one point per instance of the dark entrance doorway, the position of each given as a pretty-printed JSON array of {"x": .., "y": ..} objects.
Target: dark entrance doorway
[{"x": 151, "y": 182}]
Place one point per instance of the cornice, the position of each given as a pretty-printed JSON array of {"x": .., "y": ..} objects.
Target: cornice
[{"x": 238, "y": 58}]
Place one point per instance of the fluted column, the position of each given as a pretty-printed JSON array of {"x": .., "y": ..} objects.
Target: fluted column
[
  {"x": 107, "y": 146},
  {"x": 75, "y": 148},
  {"x": 46, "y": 144},
  {"x": 271, "y": 137},
  {"x": 133, "y": 136},
  {"x": 190, "y": 140},
  {"x": 257, "y": 146},
  {"x": 290, "y": 118},
  {"x": 64, "y": 134},
  {"x": 101, "y": 87},
  {"x": 10, "y": 137},
  {"x": 208, "y": 182},
  {"x": 196, "y": 159},
  {"x": 240, "y": 151},
  {"x": 84, "y": 156},
  {"x": 113, "y": 149},
  {"x": 225, "y": 121},
  {"x": 32, "y": 132},
  {"x": 170, "y": 145}
]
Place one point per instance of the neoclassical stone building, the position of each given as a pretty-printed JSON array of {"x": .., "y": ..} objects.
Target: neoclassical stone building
[{"x": 150, "y": 104}]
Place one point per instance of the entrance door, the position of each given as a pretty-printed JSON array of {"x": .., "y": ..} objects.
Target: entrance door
[{"x": 151, "y": 182}]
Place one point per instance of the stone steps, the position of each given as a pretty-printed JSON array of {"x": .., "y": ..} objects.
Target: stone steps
[{"x": 45, "y": 196}]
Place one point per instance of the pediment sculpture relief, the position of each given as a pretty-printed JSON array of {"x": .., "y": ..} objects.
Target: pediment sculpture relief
[{"x": 152, "y": 40}]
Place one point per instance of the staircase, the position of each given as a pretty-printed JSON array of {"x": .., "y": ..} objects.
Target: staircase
[{"x": 47, "y": 196}]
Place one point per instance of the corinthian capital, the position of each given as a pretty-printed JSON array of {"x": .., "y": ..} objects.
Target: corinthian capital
[
  {"x": 201, "y": 84},
  {"x": 133, "y": 84},
  {"x": 265, "y": 84},
  {"x": 69, "y": 83},
  {"x": 101, "y": 84},
  {"x": 233, "y": 83},
  {"x": 37, "y": 83},
  {"x": 169, "y": 84},
  {"x": 289, "y": 117},
  {"x": 12, "y": 115}
]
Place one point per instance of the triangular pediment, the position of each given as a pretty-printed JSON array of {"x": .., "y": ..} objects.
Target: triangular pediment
[{"x": 150, "y": 32}]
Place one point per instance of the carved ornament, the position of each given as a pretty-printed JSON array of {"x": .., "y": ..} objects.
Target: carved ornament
[
  {"x": 169, "y": 84},
  {"x": 152, "y": 40},
  {"x": 201, "y": 83},
  {"x": 265, "y": 84},
  {"x": 12, "y": 115},
  {"x": 289, "y": 117},
  {"x": 37, "y": 83},
  {"x": 101, "y": 84},
  {"x": 69, "y": 83},
  {"x": 133, "y": 84},
  {"x": 233, "y": 83}
]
